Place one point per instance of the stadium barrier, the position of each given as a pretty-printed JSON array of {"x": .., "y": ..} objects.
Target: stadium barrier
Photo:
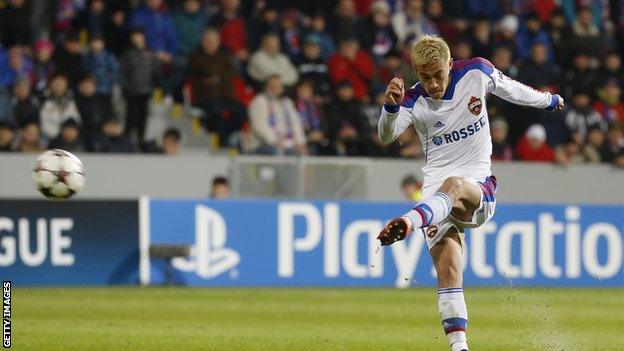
[
  {"x": 317, "y": 243},
  {"x": 69, "y": 243},
  {"x": 296, "y": 243}
]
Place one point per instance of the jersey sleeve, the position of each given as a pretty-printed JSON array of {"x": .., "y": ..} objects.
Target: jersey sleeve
[
  {"x": 518, "y": 93},
  {"x": 393, "y": 121}
]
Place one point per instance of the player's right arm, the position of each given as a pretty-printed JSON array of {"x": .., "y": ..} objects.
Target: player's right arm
[{"x": 394, "y": 118}]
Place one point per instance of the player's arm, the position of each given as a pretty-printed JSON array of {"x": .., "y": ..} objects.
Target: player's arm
[
  {"x": 520, "y": 94},
  {"x": 394, "y": 118}
]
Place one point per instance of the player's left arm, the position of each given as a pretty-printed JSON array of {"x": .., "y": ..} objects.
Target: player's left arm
[{"x": 518, "y": 93}]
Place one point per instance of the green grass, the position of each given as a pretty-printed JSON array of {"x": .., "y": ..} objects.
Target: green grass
[{"x": 311, "y": 319}]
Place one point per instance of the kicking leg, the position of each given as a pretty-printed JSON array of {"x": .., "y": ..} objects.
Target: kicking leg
[
  {"x": 446, "y": 256},
  {"x": 457, "y": 194}
]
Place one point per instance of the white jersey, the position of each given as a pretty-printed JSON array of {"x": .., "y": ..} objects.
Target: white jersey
[{"x": 454, "y": 130}]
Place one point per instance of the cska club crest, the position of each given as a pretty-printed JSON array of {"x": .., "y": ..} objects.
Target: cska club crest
[
  {"x": 432, "y": 231},
  {"x": 474, "y": 105}
]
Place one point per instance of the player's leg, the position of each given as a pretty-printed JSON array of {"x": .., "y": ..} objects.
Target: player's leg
[
  {"x": 447, "y": 257},
  {"x": 457, "y": 194}
]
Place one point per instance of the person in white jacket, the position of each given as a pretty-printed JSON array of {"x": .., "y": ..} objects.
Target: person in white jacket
[
  {"x": 276, "y": 127},
  {"x": 57, "y": 108},
  {"x": 447, "y": 109},
  {"x": 268, "y": 61}
]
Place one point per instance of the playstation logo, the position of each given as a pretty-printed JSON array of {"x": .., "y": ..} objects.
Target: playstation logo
[{"x": 209, "y": 256}]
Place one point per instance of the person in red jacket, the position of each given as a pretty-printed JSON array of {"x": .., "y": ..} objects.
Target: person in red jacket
[
  {"x": 532, "y": 147},
  {"x": 352, "y": 64}
]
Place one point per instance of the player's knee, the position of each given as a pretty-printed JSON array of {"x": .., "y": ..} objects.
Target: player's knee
[{"x": 452, "y": 185}]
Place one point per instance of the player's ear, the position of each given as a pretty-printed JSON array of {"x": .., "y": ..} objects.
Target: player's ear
[{"x": 450, "y": 63}]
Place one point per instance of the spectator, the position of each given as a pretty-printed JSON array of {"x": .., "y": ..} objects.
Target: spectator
[
  {"x": 43, "y": 67},
  {"x": 586, "y": 34},
  {"x": 347, "y": 125},
  {"x": 411, "y": 23},
  {"x": 391, "y": 66},
  {"x": 345, "y": 21},
  {"x": 17, "y": 65},
  {"x": 582, "y": 116},
  {"x": 171, "y": 142},
  {"x": 312, "y": 120},
  {"x": 530, "y": 34},
  {"x": 560, "y": 37},
  {"x": 311, "y": 66},
  {"x": 609, "y": 103},
  {"x": 481, "y": 39},
  {"x": 269, "y": 61},
  {"x": 462, "y": 50},
  {"x": 354, "y": 65},
  {"x": 94, "y": 19},
  {"x": 532, "y": 147},
  {"x": 506, "y": 32},
  {"x": 502, "y": 59},
  {"x": 190, "y": 22},
  {"x": 67, "y": 17},
  {"x": 317, "y": 27},
  {"x": 275, "y": 123},
  {"x": 25, "y": 106},
  {"x": 581, "y": 74},
  {"x": 267, "y": 20},
  {"x": 501, "y": 148},
  {"x": 15, "y": 24},
  {"x": 211, "y": 75},
  {"x": 233, "y": 29},
  {"x": 612, "y": 68},
  {"x": 30, "y": 138},
  {"x": 595, "y": 149},
  {"x": 291, "y": 32},
  {"x": 155, "y": 21},
  {"x": 139, "y": 69},
  {"x": 537, "y": 71},
  {"x": 412, "y": 188},
  {"x": 58, "y": 107},
  {"x": 570, "y": 152},
  {"x": 7, "y": 136},
  {"x": 68, "y": 60},
  {"x": 442, "y": 21},
  {"x": 103, "y": 66},
  {"x": 615, "y": 142},
  {"x": 220, "y": 188},
  {"x": 69, "y": 138},
  {"x": 378, "y": 36},
  {"x": 115, "y": 30},
  {"x": 112, "y": 138},
  {"x": 93, "y": 109},
  {"x": 6, "y": 112}
]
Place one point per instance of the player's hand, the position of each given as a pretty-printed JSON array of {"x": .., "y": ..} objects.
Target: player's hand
[
  {"x": 560, "y": 105},
  {"x": 397, "y": 229},
  {"x": 395, "y": 91}
]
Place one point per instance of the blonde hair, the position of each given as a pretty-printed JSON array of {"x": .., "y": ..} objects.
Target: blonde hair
[{"x": 429, "y": 49}]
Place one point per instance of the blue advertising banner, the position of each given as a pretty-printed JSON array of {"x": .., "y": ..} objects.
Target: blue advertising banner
[
  {"x": 69, "y": 242},
  {"x": 314, "y": 243}
]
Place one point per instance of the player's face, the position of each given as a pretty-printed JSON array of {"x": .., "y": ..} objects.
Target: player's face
[{"x": 434, "y": 78}]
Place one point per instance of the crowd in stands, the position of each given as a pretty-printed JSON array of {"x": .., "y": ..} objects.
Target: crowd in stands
[{"x": 299, "y": 77}]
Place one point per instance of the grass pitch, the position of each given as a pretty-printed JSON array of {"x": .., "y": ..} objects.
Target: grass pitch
[{"x": 311, "y": 319}]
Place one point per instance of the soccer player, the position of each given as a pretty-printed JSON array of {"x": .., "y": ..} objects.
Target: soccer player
[{"x": 447, "y": 109}]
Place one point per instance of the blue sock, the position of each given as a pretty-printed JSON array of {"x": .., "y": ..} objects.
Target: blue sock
[{"x": 431, "y": 211}]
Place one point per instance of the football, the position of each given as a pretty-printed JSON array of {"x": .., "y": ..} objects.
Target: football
[{"x": 58, "y": 174}]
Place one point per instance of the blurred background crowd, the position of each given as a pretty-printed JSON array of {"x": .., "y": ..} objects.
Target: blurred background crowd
[{"x": 297, "y": 77}]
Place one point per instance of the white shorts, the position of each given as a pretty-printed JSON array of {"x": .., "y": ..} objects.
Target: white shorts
[{"x": 481, "y": 215}]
